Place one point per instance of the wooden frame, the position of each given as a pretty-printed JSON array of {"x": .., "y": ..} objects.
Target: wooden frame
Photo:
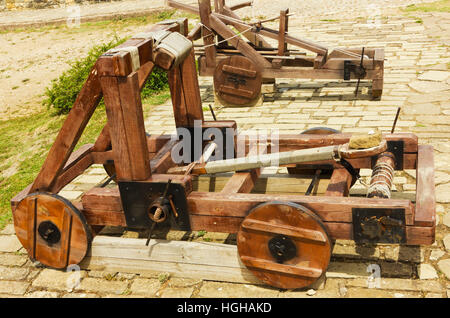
[
  {"x": 140, "y": 158},
  {"x": 278, "y": 62}
]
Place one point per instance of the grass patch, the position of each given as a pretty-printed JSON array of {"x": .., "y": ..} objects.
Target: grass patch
[
  {"x": 64, "y": 90},
  {"x": 438, "y": 6}
]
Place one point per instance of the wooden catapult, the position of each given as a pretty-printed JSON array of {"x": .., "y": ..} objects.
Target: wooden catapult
[
  {"x": 283, "y": 239},
  {"x": 239, "y": 66}
]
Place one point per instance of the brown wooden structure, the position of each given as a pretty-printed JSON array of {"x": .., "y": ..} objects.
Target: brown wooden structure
[
  {"x": 284, "y": 239},
  {"x": 221, "y": 41}
]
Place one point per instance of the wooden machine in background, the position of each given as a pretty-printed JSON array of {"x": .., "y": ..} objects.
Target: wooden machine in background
[
  {"x": 284, "y": 239},
  {"x": 239, "y": 66}
]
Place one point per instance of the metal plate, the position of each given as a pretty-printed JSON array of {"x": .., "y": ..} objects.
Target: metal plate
[
  {"x": 137, "y": 197},
  {"x": 226, "y": 151},
  {"x": 368, "y": 225}
]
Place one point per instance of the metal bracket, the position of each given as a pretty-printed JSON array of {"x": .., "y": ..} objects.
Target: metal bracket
[
  {"x": 375, "y": 225},
  {"x": 137, "y": 197},
  {"x": 350, "y": 67}
]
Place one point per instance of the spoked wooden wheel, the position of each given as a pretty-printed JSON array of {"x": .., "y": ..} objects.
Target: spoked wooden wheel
[
  {"x": 52, "y": 230},
  {"x": 237, "y": 80},
  {"x": 284, "y": 244}
]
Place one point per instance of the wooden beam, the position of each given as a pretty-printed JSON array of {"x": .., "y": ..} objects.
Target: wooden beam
[
  {"x": 307, "y": 45},
  {"x": 207, "y": 34}
]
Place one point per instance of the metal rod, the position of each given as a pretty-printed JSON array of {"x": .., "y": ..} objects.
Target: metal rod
[
  {"x": 108, "y": 181},
  {"x": 395, "y": 120},
  {"x": 313, "y": 182},
  {"x": 212, "y": 112}
]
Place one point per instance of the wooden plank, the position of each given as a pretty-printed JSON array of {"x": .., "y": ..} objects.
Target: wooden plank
[
  {"x": 239, "y": 71},
  {"x": 425, "y": 190},
  {"x": 235, "y": 91},
  {"x": 340, "y": 183},
  {"x": 180, "y": 259},
  {"x": 240, "y": 182},
  {"x": 69, "y": 134},
  {"x": 182, "y": 6},
  {"x": 246, "y": 50}
]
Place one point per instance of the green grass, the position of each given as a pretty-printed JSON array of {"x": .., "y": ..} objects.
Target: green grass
[{"x": 438, "y": 6}]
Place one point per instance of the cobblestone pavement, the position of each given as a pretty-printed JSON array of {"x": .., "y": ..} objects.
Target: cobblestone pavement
[{"x": 416, "y": 78}]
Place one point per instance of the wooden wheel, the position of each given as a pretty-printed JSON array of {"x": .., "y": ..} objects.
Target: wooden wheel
[
  {"x": 237, "y": 80},
  {"x": 52, "y": 230},
  {"x": 284, "y": 244}
]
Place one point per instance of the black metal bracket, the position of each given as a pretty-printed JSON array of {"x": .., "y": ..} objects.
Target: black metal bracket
[
  {"x": 350, "y": 67},
  {"x": 226, "y": 151},
  {"x": 376, "y": 225},
  {"x": 137, "y": 197}
]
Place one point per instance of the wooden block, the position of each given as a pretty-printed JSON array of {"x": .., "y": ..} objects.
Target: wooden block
[
  {"x": 206, "y": 261},
  {"x": 425, "y": 189}
]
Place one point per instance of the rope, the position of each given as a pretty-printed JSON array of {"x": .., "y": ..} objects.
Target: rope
[{"x": 224, "y": 40}]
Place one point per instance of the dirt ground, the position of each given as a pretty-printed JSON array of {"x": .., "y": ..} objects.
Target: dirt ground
[{"x": 32, "y": 59}]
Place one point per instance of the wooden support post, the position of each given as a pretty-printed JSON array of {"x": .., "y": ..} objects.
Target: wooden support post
[
  {"x": 340, "y": 183},
  {"x": 126, "y": 127},
  {"x": 282, "y": 45},
  {"x": 207, "y": 34}
]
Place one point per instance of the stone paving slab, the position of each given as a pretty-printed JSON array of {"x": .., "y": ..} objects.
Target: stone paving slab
[{"x": 417, "y": 62}]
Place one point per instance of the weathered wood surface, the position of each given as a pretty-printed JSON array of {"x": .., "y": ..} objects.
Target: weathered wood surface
[
  {"x": 199, "y": 260},
  {"x": 425, "y": 189}
]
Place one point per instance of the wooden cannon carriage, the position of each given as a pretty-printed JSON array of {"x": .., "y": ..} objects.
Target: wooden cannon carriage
[
  {"x": 239, "y": 66},
  {"x": 284, "y": 239}
]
